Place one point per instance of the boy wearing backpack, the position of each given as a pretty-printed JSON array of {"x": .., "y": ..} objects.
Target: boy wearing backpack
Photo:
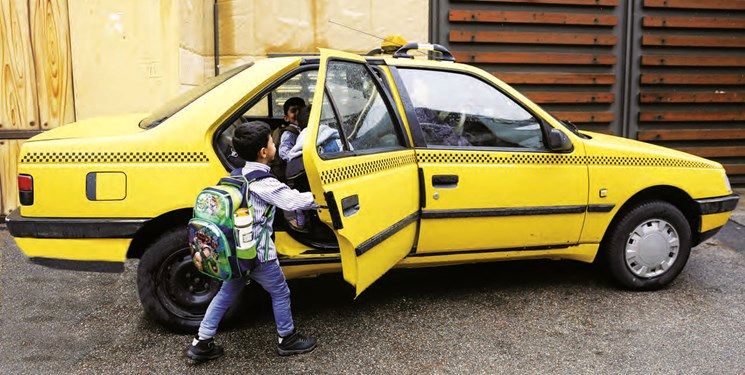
[{"x": 253, "y": 142}]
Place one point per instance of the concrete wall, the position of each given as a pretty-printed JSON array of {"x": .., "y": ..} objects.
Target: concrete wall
[
  {"x": 129, "y": 56},
  {"x": 251, "y": 29},
  {"x": 124, "y": 53}
]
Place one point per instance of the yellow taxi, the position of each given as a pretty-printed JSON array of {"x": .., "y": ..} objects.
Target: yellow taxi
[{"x": 439, "y": 163}]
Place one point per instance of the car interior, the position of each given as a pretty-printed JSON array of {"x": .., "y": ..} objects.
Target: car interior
[
  {"x": 465, "y": 129},
  {"x": 269, "y": 110}
]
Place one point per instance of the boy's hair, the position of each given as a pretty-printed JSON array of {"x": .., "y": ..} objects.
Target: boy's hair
[
  {"x": 294, "y": 101},
  {"x": 304, "y": 116},
  {"x": 249, "y": 138}
]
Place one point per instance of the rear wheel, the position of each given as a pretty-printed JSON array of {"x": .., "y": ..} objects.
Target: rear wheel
[
  {"x": 172, "y": 291},
  {"x": 648, "y": 247}
]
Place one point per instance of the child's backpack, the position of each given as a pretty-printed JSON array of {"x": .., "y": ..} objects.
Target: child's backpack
[{"x": 221, "y": 230}]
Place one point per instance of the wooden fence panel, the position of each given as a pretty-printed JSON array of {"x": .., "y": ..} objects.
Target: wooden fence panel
[
  {"x": 36, "y": 90},
  {"x": 9, "y": 150},
  {"x": 19, "y": 110},
  {"x": 683, "y": 86},
  {"x": 591, "y": 3},
  {"x": 692, "y": 79},
  {"x": 563, "y": 54},
  {"x": 697, "y": 4},
  {"x": 50, "y": 35},
  {"x": 519, "y": 17}
]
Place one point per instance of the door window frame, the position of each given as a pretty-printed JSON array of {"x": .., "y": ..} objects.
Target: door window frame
[
  {"x": 253, "y": 101},
  {"x": 416, "y": 129},
  {"x": 387, "y": 99}
]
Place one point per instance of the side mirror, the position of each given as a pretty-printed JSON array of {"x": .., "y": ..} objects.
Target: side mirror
[{"x": 558, "y": 141}]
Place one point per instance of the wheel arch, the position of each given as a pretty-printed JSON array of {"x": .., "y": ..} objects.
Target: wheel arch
[
  {"x": 155, "y": 227},
  {"x": 666, "y": 193}
]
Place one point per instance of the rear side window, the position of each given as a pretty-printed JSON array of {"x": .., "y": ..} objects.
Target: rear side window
[
  {"x": 459, "y": 110},
  {"x": 178, "y": 103}
]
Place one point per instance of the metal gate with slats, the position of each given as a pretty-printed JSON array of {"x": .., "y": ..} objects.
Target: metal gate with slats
[{"x": 671, "y": 72}]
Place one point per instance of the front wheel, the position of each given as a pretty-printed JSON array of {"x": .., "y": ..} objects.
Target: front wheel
[
  {"x": 172, "y": 291},
  {"x": 648, "y": 247}
]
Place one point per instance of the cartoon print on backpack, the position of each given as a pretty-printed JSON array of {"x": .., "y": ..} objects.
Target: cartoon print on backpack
[
  {"x": 216, "y": 242},
  {"x": 208, "y": 204},
  {"x": 205, "y": 253}
]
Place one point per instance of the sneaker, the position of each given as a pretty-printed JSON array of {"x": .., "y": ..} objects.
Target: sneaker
[
  {"x": 295, "y": 343},
  {"x": 204, "y": 350}
]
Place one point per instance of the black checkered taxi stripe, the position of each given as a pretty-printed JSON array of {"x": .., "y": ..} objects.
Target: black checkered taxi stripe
[
  {"x": 114, "y": 157},
  {"x": 526, "y": 158},
  {"x": 361, "y": 169}
]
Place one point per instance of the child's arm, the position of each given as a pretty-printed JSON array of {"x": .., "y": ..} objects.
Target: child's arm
[
  {"x": 286, "y": 143},
  {"x": 282, "y": 196}
]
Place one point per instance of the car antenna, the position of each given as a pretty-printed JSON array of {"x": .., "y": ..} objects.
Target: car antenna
[
  {"x": 353, "y": 29},
  {"x": 364, "y": 32}
]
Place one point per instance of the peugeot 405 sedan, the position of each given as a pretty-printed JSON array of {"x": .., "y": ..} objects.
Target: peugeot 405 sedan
[{"x": 440, "y": 163}]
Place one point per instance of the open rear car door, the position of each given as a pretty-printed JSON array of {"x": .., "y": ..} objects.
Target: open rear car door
[{"x": 358, "y": 159}]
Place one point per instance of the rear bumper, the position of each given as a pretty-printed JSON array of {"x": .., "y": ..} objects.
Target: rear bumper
[
  {"x": 80, "y": 244},
  {"x": 53, "y": 227},
  {"x": 79, "y": 265}
]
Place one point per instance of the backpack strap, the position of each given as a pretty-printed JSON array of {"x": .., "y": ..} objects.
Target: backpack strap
[
  {"x": 260, "y": 175},
  {"x": 237, "y": 179},
  {"x": 257, "y": 175},
  {"x": 240, "y": 181},
  {"x": 292, "y": 128}
]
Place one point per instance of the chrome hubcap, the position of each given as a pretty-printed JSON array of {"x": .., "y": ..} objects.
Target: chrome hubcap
[{"x": 651, "y": 248}]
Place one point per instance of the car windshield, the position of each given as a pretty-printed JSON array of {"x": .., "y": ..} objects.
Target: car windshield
[{"x": 181, "y": 101}]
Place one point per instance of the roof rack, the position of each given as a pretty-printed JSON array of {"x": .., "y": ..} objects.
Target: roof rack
[{"x": 444, "y": 55}]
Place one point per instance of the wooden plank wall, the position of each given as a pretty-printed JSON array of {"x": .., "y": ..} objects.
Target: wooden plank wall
[
  {"x": 50, "y": 36},
  {"x": 684, "y": 85},
  {"x": 692, "y": 79},
  {"x": 9, "y": 150},
  {"x": 36, "y": 71},
  {"x": 19, "y": 111},
  {"x": 563, "y": 54}
]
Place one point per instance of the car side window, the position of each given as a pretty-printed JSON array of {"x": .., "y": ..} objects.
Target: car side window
[
  {"x": 300, "y": 85},
  {"x": 363, "y": 115},
  {"x": 460, "y": 110},
  {"x": 269, "y": 110}
]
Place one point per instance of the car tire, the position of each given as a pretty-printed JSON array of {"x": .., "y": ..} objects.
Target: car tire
[
  {"x": 648, "y": 247},
  {"x": 172, "y": 292}
]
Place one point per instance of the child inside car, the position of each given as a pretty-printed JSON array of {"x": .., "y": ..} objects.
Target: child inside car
[
  {"x": 328, "y": 142},
  {"x": 287, "y": 135}
]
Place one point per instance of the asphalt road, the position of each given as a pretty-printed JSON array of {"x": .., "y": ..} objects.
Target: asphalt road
[{"x": 515, "y": 317}]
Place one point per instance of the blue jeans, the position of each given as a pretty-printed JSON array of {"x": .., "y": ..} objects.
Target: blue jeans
[{"x": 269, "y": 275}]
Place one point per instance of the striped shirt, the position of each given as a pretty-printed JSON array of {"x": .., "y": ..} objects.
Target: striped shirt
[
  {"x": 269, "y": 192},
  {"x": 286, "y": 143}
]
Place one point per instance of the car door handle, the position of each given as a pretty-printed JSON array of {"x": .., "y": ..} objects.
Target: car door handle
[
  {"x": 445, "y": 180},
  {"x": 333, "y": 210},
  {"x": 350, "y": 205}
]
